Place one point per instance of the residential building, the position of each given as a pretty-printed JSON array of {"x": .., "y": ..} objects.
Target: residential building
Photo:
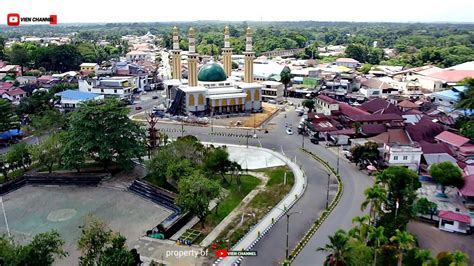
[
  {"x": 70, "y": 99},
  {"x": 379, "y": 106},
  {"x": 14, "y": 95},
  {"x": 87, "y": 68},
  {"x": 347, "y": 62},
  {"x": 453, "y": 140},
  {"x": 325, "y": 105},
  {"x": 272, "y": 91},
  {"x": 376, "y": 88},
  {"x": 454, "y": 222},
  {"x": 121, "y": 87},
  {"x": 446, "y": 100},
  {"x": 137, "y": 55}
]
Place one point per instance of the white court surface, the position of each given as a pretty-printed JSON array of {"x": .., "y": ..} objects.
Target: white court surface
[{"x": 252, "y": 158}]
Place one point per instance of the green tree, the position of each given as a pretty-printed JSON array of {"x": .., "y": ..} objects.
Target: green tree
[
  {"x": 42, "y": 250},
  {"x": 377, "y": 238},
  {"x": 19, "y": 55},
  {"x": 375, "y": 196},
  {"x": 195, "y": 194},
  {"x": 361, "y": 230},
  {"x": 308, "y": 103},
  {"x": 404, "y": 241},
  {"x": 365, "y": 68},
  {"x": 467, "y": 129},
  {"x": 8, "y": 118},
  {"x": 19, "y": 155},
  {"x": 217, "y": 162},
  {"x": 425, "y": 257},
  {"x": 338, "y": 249},
  {"x": 48, "y": 151},
  {"x": 285, "y": 78},
  {"x": 402, "y": 184},
  {"x": 446, "y": 174},
  {"x": 47, "y": 121},
  {"x": 466, "y": 100},
  {"x": 459, "y": 258},
  {"x": 101, "y": 246},
  {"x": 426, "y": 207},
  {"x": 106, "y": 134},
  {"x": 365, "y": 154}
]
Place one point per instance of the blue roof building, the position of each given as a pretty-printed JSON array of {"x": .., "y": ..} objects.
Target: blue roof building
[
  {"x": 71, "y": 98},
  {"x": 446, "y": 100}
]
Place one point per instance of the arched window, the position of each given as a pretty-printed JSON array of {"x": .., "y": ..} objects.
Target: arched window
[
  {"x": 191, "y": 100},
  {"x": 200, "y": 99},
  {"x": 249, "y": 97},
  {"x": 256, "y": 96},
  {"x": 232, "y": 101}
]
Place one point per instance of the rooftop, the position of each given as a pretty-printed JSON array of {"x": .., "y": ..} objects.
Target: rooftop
[
  {"x": 379, "y": 105},
  {"x": 327, "y": 99},
  {"x": 452, "y": 75},
  {"x": 453, "y": 216},
  {"x": 398, "y": 136},
  {"x": 77, "y": 95},
  {"x": 346, "y": 60},
  {"x": 452, "y": 139}
]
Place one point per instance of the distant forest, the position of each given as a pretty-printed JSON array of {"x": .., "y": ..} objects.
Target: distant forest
[{"x": 414, "y": 44}]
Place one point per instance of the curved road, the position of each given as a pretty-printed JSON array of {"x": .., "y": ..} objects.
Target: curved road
[{"x": 271, "y": 249}]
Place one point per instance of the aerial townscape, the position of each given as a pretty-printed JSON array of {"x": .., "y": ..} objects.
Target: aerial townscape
[{"x": 285, "y": 141}]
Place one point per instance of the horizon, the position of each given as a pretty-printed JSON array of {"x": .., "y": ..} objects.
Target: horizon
[{"x": 368, "y": 11}]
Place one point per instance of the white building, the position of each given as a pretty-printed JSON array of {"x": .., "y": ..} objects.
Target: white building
[
  {"x": 272, "y": 91},
  {"x": 454, "y": 222},
  {"x": 70, "y": 99},
  {"x": 121, "y": 87},
  {"x": 403, "y": 155},
  {"x": 137, "y": 55},
  {"x": 347, "y": 62},
  {"x": 324, "y": 105}
]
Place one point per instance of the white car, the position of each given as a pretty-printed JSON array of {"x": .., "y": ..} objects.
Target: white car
[{"x": 289, "y": 131}]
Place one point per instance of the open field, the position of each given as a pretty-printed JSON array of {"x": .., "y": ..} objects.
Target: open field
[{"x": 32, "y": 210}]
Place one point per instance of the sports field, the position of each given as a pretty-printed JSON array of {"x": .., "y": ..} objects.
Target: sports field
[{"x": 32, "y": 210}]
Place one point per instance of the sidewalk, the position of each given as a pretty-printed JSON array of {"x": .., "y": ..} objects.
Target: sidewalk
[{"x": 266, "y": 223}]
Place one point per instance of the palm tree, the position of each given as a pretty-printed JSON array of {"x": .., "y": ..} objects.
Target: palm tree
[
  {"x": 361, "y": 230},
  {"x": 466, "y": 100},
  {"x": 459, "y": 258},
  {"x": 338, "y": 249},
  {"x": 377, "y": 237},
  {"x": 404, "y": 241},
  {"x": 375, "y": 196},
  {"x": 425, "y": 256}
]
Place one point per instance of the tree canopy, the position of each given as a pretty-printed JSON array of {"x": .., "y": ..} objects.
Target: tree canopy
[{"x": 447, "y": 174}]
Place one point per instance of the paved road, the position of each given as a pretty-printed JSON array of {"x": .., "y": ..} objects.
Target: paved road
[{"x": 271, "y": 249}]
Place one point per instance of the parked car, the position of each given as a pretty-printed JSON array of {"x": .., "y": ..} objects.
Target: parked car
[
  {"x": 155, "y": 97},
  {"x": 289, "y": 131},
  {"x": 138, "y": 107}
]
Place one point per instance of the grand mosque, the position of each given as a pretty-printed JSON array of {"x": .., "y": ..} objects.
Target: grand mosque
[{"x": 210, "y": 90}]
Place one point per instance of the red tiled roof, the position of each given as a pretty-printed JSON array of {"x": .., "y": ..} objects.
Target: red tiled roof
[
  {"x": 6, "y": 85},
  {"x": 425, "y": 129},
  {"x": 453, "y": 76},
  {"x": 453, "y": 216},
  {"x": 407, "y": 104},
  {"x": 351, "y": 111},
  {"x": 15, "y": 92},
  {"x": 327, "y": 99},
  {"x": 379, "y": 105},
  {"x": 452, "y": 139},
  {"x": 347, "y": 131},
  {"x": 2, "y": 91},
  {"x": 433, "y": 148},
  {"x": 467, "y": 149},
  {"x": 45, "y": 78},
  {"x": 392, "y": 136},
  {"x": 376, "y": 117},
  {"x": 373, "y": 129}
]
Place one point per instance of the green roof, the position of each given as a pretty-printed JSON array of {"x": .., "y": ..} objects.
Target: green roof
[{"x": 211, "y": 72}]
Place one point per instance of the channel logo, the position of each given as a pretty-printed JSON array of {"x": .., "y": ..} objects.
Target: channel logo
[
  {"x": 221, "y": 253},
  {"x": 13, "y": 19}
]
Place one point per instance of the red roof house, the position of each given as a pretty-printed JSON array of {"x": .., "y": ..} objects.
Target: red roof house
[
  {"x": 452, "y": 139},
  {"x": 454, "y": 216}
]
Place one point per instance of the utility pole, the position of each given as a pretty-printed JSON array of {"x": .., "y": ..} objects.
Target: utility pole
[
  {"x": 254, "y": 116},
  {"x": 247, "y": 137},
  {"x": 327, "y": 192},
  {"x": 182, "y": 128},
  {"x": 337, "y": 164},
  {"x": 302, "y": 142},
  {"x": 212, "y": 125}
]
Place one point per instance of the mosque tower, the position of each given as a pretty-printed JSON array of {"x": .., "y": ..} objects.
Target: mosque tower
[
  {"x": 249, "y": 55},
  {"x": 227, "y": 53},
  {"x": 176, "y": 56},
  {"x": 192, "y": 60}
]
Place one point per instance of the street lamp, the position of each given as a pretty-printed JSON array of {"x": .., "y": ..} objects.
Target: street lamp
[
  {"x": 337, "y": 164},
  {"x": 287, "y": 229}
]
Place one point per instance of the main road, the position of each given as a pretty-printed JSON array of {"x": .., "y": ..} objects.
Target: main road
[{"x": 271, "y": 248}]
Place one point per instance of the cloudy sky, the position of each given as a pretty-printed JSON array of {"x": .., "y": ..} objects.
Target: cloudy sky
[{"x": 266, "y": 10}]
